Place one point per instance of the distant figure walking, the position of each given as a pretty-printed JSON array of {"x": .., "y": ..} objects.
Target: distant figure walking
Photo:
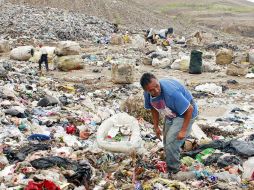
[
  {"x": 44, "y": 57},
  {"x": 198, "y": 36}
]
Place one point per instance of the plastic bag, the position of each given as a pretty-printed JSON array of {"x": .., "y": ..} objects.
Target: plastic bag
[
  {"x": 248, "y": 169},
  {"x": 209, "y": 87},
  {"x": 22, "y": 53},
  {"x": 121, "y": 119},
  {"x": 82, "y": 170},
  {"x": 181, "y": 64},
  {"x": 68, "y": 63},
  {"x": 67, "y": 48}
]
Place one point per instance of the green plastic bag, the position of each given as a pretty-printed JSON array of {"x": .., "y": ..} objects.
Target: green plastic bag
[{"x": 200, "y": 156}]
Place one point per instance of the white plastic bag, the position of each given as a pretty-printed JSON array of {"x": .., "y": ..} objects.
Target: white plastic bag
[
  {"x": 163, "y": 63},
  {"x": 198, "y": 133},
  {"x": 181, "y": 64},
  {"x": 22, "y": 53},
  {"x": 209, "y": 87},
  {"x": 122, "y": 120},
  {"x": 248, "y": 168},
  {"x": 138, "y": 42}
]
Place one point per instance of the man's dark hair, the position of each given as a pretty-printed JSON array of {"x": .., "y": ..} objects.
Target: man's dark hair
[{"x": 146, "y": 79}]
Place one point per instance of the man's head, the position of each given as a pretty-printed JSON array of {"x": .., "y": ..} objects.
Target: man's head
[{"x": 150, "y": 84}]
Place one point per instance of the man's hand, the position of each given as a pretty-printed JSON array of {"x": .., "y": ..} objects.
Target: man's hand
[
  {"x": 187, "y": 117},
  {"x": 158, "y": 133},
  {"x": 181, "y": 135}
]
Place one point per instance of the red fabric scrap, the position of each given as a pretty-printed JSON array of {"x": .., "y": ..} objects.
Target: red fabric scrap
[
  {"x": 71, "y": 129},
  {"x": 161, "y": 166},
  {"x": 45, "y": 185}
]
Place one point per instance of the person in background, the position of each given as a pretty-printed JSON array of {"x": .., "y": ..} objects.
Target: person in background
[{"x": 43, "y": 58}]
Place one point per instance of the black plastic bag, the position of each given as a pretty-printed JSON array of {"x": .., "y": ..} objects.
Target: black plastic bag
[
  {"x": 195, "y": 62},
  {"x": 21, "y": 154},
  {"x": 229, "y": 161},
  {"x": 83, "y": 171}
]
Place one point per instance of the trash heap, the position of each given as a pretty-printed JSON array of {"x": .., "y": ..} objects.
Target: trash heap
[
  {"x": 60, "y": 134},
  {"x": 50, "y": 24},
  {"x": 88, "y": 129}
]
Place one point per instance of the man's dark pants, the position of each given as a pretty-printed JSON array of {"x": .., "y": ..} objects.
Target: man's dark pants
[{"x": 44, "y": 58}]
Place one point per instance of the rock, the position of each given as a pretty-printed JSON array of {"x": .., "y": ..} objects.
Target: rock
[
  {"x": 47, "y": 101},
  {"x": 22, "y": 53},
  {"x": 4, "y": 46},
  {"x": 147, "y": 61},
  {"x": 68, "y": 63},
  {"x": 116, "y": 40},
  {"x": 123, "y": 73},
  {"x": 237, "y": 69},
  {"x": 224, "y": 56},
  {"x": 67, "y": 48}
]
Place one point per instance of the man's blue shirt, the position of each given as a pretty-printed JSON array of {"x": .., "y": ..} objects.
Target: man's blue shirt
[{"x": 173, "y": 101}]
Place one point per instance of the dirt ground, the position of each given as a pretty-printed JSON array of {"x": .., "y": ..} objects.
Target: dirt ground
[{"x": 208, "y": 110}]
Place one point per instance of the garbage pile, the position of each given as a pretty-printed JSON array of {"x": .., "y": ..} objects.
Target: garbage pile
[
  {"x": 50, "y": 24},
  {"x": 87, "y": 129},
  {"x": 59, "y": 135}
]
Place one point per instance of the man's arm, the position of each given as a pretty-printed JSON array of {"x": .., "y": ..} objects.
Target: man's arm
[
  {"x": 187, "y": 117},
  {"x": 156, "y": 118}
]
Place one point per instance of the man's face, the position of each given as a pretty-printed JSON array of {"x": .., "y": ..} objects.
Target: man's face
[{"x": 153, "y": 88}]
